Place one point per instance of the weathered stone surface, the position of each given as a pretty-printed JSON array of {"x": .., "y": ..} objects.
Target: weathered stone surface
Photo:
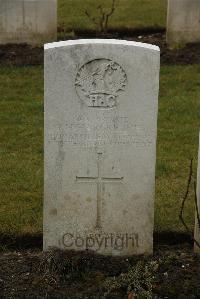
[
  {"x": 197, "y": 230},
  {"x": 28, "y": 21},
  {"x": 183, "y": 22},
  {"x": 101, "y": 101}
]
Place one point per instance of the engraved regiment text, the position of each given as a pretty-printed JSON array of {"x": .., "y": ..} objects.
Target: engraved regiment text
[{"x": 106, "y": 130}]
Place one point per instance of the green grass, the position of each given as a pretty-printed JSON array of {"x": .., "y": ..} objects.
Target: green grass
[
  {"x": 178, "y": 129},
  {"x": 21, "y": 146},
  {"x": 132, "y": 14},
  {"x": 21, "y": 149}
]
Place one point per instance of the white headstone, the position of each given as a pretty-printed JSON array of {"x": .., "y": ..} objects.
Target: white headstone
[
  {"x": 197, "y": 229},
  {"x": 28, "y": 21},
  {"x": 101, "y": 100},
  {"x": 183, "y": 22}
]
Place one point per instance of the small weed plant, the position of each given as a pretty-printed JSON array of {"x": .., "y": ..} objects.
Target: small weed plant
[{"x": 138, "y": 280}]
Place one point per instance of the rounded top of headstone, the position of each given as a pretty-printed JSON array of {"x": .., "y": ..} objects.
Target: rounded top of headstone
[{"x": 100, "y": 41}]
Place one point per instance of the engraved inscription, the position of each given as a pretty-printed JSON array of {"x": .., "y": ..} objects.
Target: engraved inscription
[
  {"x": 99, "y": 82},
  {"x": 100, "y": 180},
  {"x": 80, "y": 131},
  {"x": 87, "y": 140}
]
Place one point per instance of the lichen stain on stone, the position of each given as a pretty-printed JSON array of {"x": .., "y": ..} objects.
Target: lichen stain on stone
[
  {"x": 67, "y": 197},
  {"x": 89, "y": 199},
  {"x": 135, "y": 197},
  {"x": 53, "y": 212},
  {"x": 125, "y": 212}
]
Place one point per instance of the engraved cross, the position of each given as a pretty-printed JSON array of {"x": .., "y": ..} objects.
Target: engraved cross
[{"x": 100, "y": 180}]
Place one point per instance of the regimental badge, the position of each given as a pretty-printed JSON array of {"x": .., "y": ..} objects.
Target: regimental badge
[{"x": 99, "y": 83}]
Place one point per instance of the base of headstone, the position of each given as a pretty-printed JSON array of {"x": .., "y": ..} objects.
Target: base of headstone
[{"x": 23, "y": 21}]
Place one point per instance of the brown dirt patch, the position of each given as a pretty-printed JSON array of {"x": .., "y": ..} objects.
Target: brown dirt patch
[
  {"x": 70, "y": 275},
  {"x": 20, "y": 55},
  {"x": 190, "y": 54}
]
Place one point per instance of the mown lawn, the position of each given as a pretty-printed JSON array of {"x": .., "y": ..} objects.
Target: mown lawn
[
  {"x": 132, "y": 14},
  {"x": 21, "y": 146}
]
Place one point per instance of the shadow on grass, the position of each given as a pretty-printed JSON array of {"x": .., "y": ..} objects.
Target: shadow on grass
[
  {"x": 34, "y": 242},
  {"x": 23, "y": 242}
]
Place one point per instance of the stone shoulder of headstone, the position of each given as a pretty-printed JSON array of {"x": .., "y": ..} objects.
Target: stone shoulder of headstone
[
  {"x": 197, "y": 225},
  {"x": 101, "y": 101},
  {"x": 28, "y": 21},
  {"x": 183, "y": 25}
]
